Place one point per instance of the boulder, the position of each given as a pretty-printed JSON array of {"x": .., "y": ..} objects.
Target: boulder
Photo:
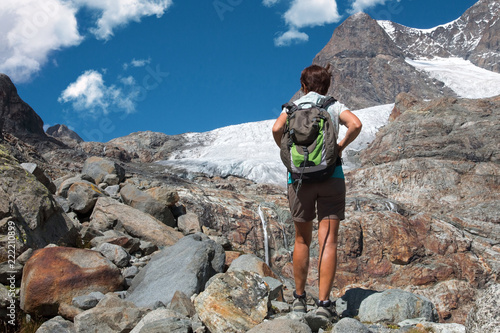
[
  {"x": 55, "y": 275},
  {"x": 171, "y": 325},
  {"x": 485, "y": 314},
  {"x": 86, "y": 302},
  {"x": 233, "y": 302},
  {"x": 98, "y": 168},
  {"x": 164, "y": 195},
  {"x": 281, "y": 325},
  {"x": 57, "y": 325},
  {"x": 40, "y": 174},
  {"x": 115, "y": 253},
  {"x": 155, "y": 315},
  {"x": 130, "y": 244},
  {"x": 111, "y": 314},
  {"x": 82, "y": 196},
  {"x": 185, "y": 266},
  {"x": 110, "y": 214},
  {"x": 189, "y": 223},
  {"x": 182, "y": 304},
  {"x": 144, "y": 202},
  {"x": 395, "y": 305},
  {"x": 31, "y": 209},
  {"x": 350, "y": 325},
  {"x": 251, "y": 263}
]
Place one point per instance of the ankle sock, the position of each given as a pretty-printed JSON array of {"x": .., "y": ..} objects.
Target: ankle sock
[
  {"x": 299, "y": 296},
  {"x": 324, "y": 304}
]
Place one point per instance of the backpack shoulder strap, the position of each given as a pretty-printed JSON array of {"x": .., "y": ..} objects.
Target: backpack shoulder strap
[
  {"x": 290, "y": 107},
  {"x": 326, "y": 102}
]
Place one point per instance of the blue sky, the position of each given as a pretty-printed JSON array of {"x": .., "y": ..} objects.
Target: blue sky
[{"x": 107, "y": 68}]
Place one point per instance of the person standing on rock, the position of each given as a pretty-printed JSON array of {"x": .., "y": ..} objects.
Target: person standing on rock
[{"x": 324, "y": 200}]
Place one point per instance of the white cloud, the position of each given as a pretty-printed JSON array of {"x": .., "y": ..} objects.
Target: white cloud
[
  {"x": 30, "y": 30},
  {"x": 291, "y": 36},
  {"x": 116, "y": 13},
  {"x": 310, "y": 13},
  {"x": 306, "y": 13},
  {"x": 90, "y": 95},
  {"x": 270, "y": 3},
  {"x": 137, "y": 63},
  {"x": 361, "y": 5}
]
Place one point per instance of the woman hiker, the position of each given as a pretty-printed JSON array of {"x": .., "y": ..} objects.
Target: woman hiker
[{"x": 325, "y": 199}]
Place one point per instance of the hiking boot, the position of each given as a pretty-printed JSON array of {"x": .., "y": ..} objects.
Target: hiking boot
[
  {"x": 326, "y": 309},
  {"x": 299, "y": 303}
]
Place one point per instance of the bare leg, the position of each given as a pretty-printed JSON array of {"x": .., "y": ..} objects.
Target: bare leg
[
  {"x": 327, "y": 238},
  {"x": 303, "y": 236}
]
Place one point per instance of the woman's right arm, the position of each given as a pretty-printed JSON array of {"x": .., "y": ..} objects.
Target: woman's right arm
[
  {"x": 279, "y": 127},
  {"x": 353, "y": 124}
]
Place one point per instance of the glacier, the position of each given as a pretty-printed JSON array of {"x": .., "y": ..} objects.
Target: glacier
[{"x": 249, "y": 151}]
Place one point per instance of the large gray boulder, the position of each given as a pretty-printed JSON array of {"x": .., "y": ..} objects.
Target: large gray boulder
[
  {"x": 396, "y": 305},
  {"x": 111, "y": 314},
  {"x": 36, "y": 219},
  {"x": 144, "y": 202},
  {"x": 110, "y": 214},
  {"x": 98, "y": 168},
  {"x": 40, "y": 174},
  {"x": 185, "y": 266},
  {"x": 281, "y": 325},
  {"x": 350, "y": 325}
]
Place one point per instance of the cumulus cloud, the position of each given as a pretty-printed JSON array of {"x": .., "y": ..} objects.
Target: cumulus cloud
[
  {"x": 361, "y": 5},
  {"x": 30, "y": 30},
  {"x": 306, "y": 13},
  {"x": 116, "y": 13},
  {"x": 89, "y": 94},
  {"x": 291, "y": 36}
]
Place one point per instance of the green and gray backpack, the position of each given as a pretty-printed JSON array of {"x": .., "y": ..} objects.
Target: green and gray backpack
[{"x": 309, "y": 144}]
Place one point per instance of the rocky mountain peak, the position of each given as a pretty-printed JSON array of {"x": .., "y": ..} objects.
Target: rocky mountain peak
[
  {"x": 473, "y": 36},
  {"x": 64, "y": 133},
  {"x": 359, "y": 35},
  {"x": 368, "y": 56},
  {"x": 17, "y": 117}
]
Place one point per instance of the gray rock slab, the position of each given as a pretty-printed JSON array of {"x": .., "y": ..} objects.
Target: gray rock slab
[{"x": 185, "y": 266}]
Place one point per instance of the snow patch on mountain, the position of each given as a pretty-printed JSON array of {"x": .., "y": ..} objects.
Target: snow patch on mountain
[{"x": 463, "y": 77}]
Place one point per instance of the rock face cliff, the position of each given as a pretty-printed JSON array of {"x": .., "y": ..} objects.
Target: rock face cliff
[
  {"x": 17, "y": 117},
  {"x": 368, "y": 56}
]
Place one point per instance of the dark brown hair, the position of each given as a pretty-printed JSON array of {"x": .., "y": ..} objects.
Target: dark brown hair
[{"x": 316, "y": 78}]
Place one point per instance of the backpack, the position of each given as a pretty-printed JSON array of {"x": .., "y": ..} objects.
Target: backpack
[{"x": 309, "y": 143}]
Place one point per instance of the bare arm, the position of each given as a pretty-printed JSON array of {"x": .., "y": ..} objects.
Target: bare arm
[
  {"x": 353, "y": 124},
  {"x": 279, "y": 127}
]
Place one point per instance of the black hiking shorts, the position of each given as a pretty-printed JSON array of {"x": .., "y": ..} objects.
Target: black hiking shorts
[{"x": 326, "y": 199}]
